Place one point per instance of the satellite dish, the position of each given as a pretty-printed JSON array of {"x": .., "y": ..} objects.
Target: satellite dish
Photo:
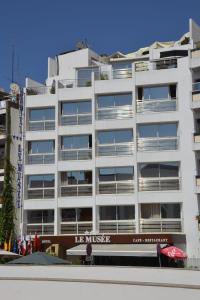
[{"x": 14, "y": 88}]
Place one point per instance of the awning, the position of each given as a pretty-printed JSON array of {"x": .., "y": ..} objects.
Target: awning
[{"x": 141, "y": 250}]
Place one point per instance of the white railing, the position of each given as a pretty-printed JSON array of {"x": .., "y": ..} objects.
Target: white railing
[
  {"x": 115, "y": 112},
  {"x": 38, "y": 158},
  {"x": 41, "y": 229},
  {"x": 159, "y": 184},
  {"x": 167, "y": 63},
  {"x": 116, "y": 187},
  {"x": 122, "y": 73},
  {"x": 40, "y": 193},
  {"x": 76, "y": 190},
  {"x": 157, "y": 143},
  {"x": 160, "y": 225},
  {"x": 78, "y": 119},
  {"x": 114, "y": 149},
  {"x": 118, "y": 226},
  {"x": 41, "y": 125},
  {"x": 144, "y": 106},
  {"x": 76, "y": 227},
  {"x": 75, "y": 154},
  {"x": 74, "y": 83}
]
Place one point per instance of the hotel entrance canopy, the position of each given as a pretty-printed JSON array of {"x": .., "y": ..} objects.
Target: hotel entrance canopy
[{"x": 139, "y": 250}]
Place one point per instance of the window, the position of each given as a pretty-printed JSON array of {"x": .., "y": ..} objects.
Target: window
[
  {"x": 40, "y": 216},
  {"x": 84, "y": 76},
  {"x": 77, "y": 142},
  {"x": 115, "y": 136},
  {"x": 107, "y": 213},
  {"x": 116, "y": 174},
  {"x": 161, "y": 211},
  {"x": 104, "y": 101},
  {"x": 40, "y": 181},
  {"x": 157, "y": 130},
  {"x": 41, "y": 147},
  {"x": 121, "y": 65},
  {"x": 73, "y": 108},
  {"x": 37, "y": 114},
  {"x": 76, "y": 214},
  {"x": 170, "y": 169},
  {"x": 157, "y": 92},
  {"x": 76, "y": 177}
]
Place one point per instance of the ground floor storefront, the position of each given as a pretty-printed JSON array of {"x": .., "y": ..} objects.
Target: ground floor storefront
[{"x": 118, "y": 249}]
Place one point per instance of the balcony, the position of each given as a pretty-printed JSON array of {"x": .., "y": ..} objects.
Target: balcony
[
  {"x": 160, "y": 225},
  {"x": 76, "y": 190},
  {"x": 41, "y": 229},
  {"x": 78, "y": 119},
  {"x": 164, "y": 105},
  {"x": 119, "y": 226},
  {"x": 41, "y": 159},
  {"x": 120, "y": 149},
  {"x": 161, "y": 64},
  {"x": 157, "y": 144},
  {"x": 196, "y": 92},
  {"x": 116, "y": 187},
  {"x": 76, "y": 227},
  {"x": 122, "y": 73},
  {"x": 75, "y": 154},
  {"x": 40, "y": 90},
  {"x": 41, "y": 125},
  {"x": 159, "y": 184},
  {"x": 116, "y": 113},
  {"x": 40, "y": 193}
]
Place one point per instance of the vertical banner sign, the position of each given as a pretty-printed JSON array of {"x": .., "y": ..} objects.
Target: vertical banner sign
[{"x": 20, "y": 154}]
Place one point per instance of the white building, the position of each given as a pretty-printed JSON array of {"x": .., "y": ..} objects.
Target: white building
[{"x": 112, "y": 147}]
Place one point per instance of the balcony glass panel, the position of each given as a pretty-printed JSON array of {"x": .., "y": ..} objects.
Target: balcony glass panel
[
  {"x": 41, "y": 119},
  {"x": 41, "y": 152},
  {"x": 40, "y": 187},
  {"x": 77, "y": 147},
  {"x": 122, "y": 70}
]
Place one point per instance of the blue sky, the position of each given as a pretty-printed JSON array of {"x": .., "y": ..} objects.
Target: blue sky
[{"x": 43, "y": 28}]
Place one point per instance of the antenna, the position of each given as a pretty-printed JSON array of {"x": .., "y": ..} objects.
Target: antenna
[{"x": 12, "y": 63}]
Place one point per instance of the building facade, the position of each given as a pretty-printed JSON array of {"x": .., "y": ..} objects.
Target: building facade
[{"x": 112, "y": 147}]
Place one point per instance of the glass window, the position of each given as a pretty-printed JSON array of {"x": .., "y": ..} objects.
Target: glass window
[
  {"x": 40, "y": 216},
  {"x": 41, "y": 147},
  {"x": 76, "y": 142},
  {"x": 76, "y": 177},
  {"x": 48, "y": 216},
  {"x": 121, "y": 65},
  {"x": 124, "y": 173},
  {"x": 73, "y": 108},
  {"x": 107, "y": 174},
  {"x": 40, "y": 181},
  {"x": 157, "y": 130},
  {"x": 158, "y": 92},
  {"x": 170, "y": 211},
  {"x": 84, "y": 214},
  {"x": 166, "y": 130},
  {"x": 147, "y": 130},
  {"x": 150, "y": 211},
  {"x": 169, "y": 169},
  {"x": 114, "y": 100},
  {"x": 126, "y": 212},
  {"x": 68, "y": 215},
  {"x": 115, "y": 136},
  {"x": 149, "y": 170},
  {"x": 37, "y": 114},
  {"x": 107, "y": 213}
]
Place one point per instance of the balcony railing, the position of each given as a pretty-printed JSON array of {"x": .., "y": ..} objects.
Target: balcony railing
[
  {"x": 76, "y": 190},
  {"x": 76, "y": 227},
  {"x": 159, "y": 184},
  {"x": 122, "y": 73},
  {"x": 117, "y": 112},
  {"x": 40, "y": 193},
  {"x": 157, "y": 144},
  {"x": 41, "y": 229},
  {"x": 156, "y": 105},
  {"x": 73, "y": 83},
  {"x": 160, "y": 225},
  {"x": 168, "y": 63},
  {"x": 75, "y": 154},
  {"x": 40, "y": 90},
  {"x": 115, "y": 149},
  {"x": 41, "y": 125},
  {"x": 120, "y": 226},
  {"x": 116, "y": 187},
  {"x": 78, "y": 119},
  {"x": 47, "y": 158}
]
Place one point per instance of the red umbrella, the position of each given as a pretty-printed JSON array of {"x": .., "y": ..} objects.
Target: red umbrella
[{"x": 174, "y": 252}]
